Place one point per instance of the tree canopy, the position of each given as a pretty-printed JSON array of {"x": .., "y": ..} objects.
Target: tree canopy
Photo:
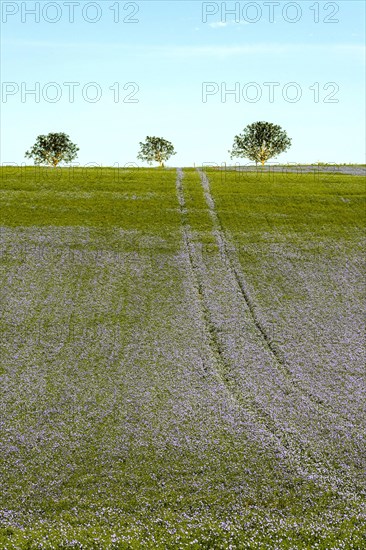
[
  {"x": 260, "y": 141},
  {"x": 156, "y": 149},
  {"x": 52, "y": 149}
]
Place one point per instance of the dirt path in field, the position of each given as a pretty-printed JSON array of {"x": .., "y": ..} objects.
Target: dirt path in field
[
  {"x": 246, "y": 402},
  {"x": 248, "y": 363}
]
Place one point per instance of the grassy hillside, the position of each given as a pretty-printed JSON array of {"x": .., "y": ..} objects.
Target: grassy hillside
[{"x": 182, "y": 360}]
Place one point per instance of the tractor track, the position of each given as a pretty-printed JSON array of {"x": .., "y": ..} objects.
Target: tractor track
[
  {"x": 229, "y": 253},
  {"x": 299, "y": 455}
]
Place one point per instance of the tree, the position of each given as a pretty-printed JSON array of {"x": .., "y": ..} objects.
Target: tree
[
  {"x": 53, "y": 149},
  {"x": 260, "y": 141},
  {"x": 156, "y": 149}
]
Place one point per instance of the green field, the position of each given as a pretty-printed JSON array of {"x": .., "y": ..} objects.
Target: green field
[{"x": 182, "y": 360}]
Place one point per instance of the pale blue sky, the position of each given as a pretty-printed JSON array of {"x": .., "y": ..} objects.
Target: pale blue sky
[{"x": 170, "y": 53}]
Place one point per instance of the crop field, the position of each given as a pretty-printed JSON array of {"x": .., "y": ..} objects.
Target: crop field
[{"x": 182, "y": 359}]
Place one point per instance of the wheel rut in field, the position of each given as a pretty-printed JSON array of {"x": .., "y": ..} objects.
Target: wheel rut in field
[
  {"x": 295, "y": 449},
  {"x": 229, "y": 253},
  {"x": 221, "y": 364},
  {"x": 245, "y": 361}
]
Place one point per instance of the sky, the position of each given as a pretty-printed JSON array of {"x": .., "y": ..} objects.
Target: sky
[{"x": 110, "y": 73}]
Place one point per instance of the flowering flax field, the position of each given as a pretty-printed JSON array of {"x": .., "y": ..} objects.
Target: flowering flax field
[{"x": 182, "y": 360}]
